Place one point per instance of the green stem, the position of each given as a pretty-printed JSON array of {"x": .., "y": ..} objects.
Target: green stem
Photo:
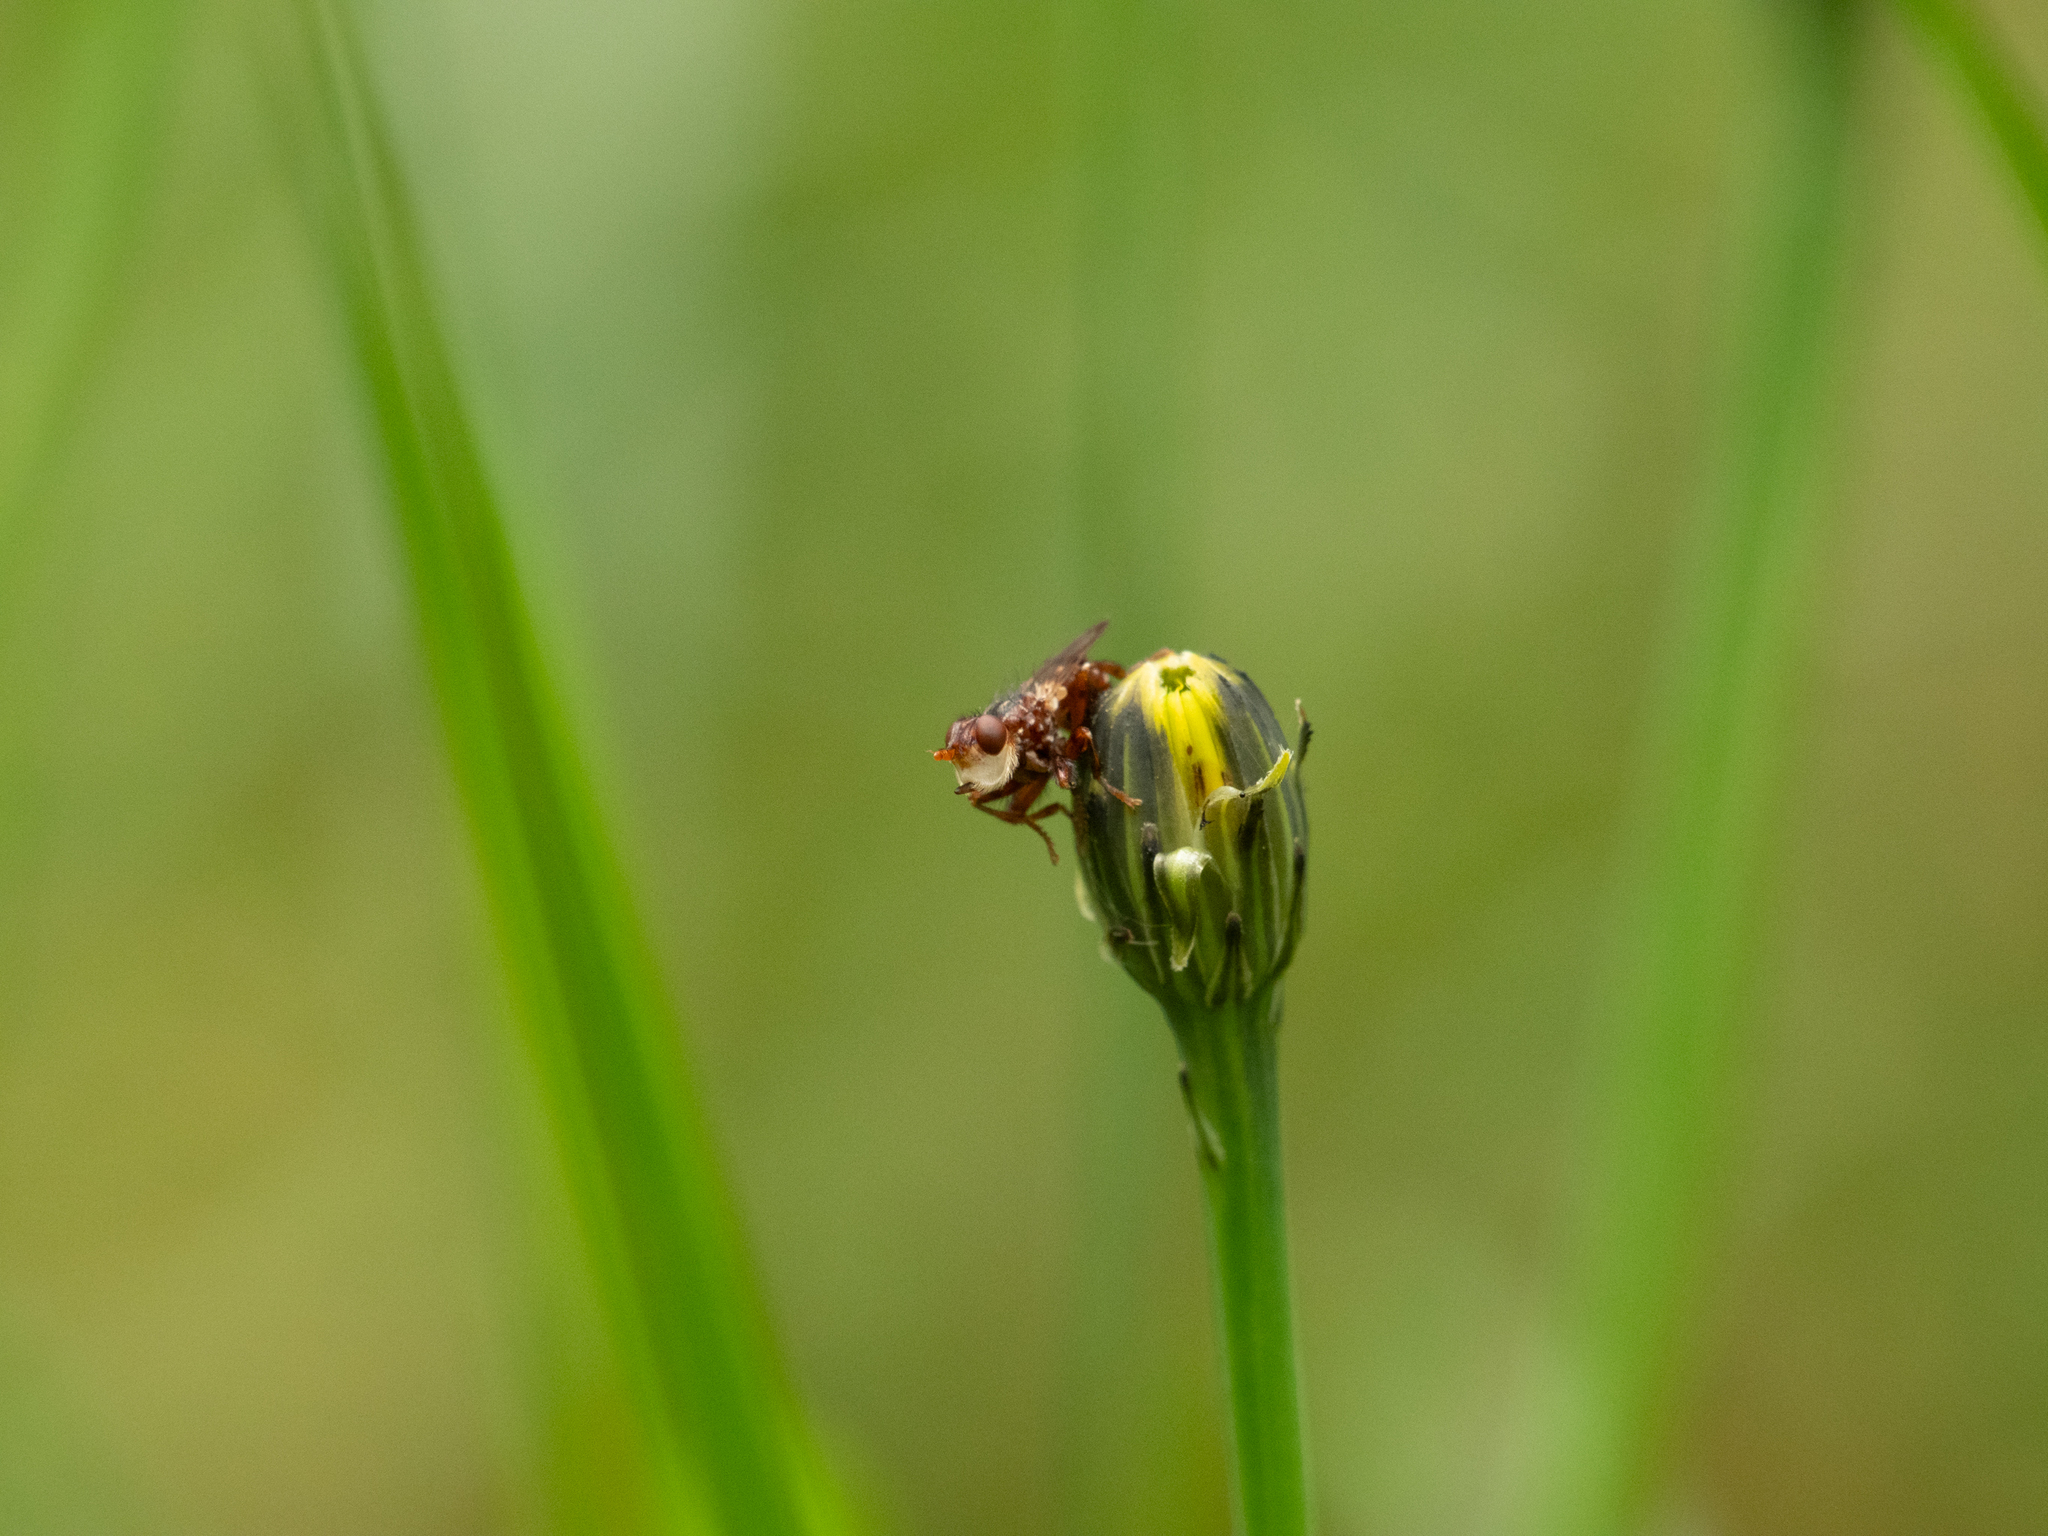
[
  {"x": 2010, "y": 109},
  {"x": 1230, "y": 1058}
]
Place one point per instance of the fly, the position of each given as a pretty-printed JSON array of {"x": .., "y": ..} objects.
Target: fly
[{"x": 1032, "y": 737}]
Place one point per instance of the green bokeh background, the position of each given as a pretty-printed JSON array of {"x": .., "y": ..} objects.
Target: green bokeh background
[{"x": 773, "y": 318}]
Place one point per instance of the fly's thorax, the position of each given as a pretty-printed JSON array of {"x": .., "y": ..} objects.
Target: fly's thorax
[{"x": 1197, "y": 889}]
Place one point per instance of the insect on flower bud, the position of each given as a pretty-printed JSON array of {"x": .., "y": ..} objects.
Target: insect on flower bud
[{"x": 1198, "y": 890}]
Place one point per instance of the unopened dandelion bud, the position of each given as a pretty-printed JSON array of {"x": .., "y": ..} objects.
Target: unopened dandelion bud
[{"x": 1198, "y": 885}]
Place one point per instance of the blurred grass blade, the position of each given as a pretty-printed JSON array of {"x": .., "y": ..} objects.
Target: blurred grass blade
[
  {"x": 1132, "y": 81},
  {"x": 88, "y": 133},
  {"x": 2010, "y": 110},
  {"x": 1137, "y": 295},
  {"x": 668, "y": 1254},
  {"x": 1704, "y": 823}
]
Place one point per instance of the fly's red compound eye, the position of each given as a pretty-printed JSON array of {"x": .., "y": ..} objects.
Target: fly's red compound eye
[{"x": 990, "y": 734}]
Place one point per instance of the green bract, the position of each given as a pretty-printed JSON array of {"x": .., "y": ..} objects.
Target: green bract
[{"x": 1198, "y": 889}]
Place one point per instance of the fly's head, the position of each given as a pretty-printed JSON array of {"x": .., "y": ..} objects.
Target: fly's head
[{"x": 983, "y": 751}]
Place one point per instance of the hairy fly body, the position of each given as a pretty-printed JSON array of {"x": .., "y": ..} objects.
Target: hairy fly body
[{"x": 1031, "y": 737}]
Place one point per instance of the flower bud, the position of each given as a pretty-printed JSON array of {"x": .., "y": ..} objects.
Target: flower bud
[{"x": 1198, "y": 888}]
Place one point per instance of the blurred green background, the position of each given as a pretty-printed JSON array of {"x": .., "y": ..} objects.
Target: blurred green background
[{"x": 784, "y": 325}]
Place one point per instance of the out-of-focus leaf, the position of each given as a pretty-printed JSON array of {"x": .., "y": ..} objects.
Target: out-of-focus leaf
[
  {"x": 667, "y": 1250},
  {"x": 84, "y": 142},
  {"x": 2010, "y": 109}
]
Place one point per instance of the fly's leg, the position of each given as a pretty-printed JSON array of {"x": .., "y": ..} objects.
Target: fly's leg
[
  {"x": 1018, "y": 812},
  {"x": 1020, "y": 792},
  {"x": 1069, "y": 754},
  {"x": 1020, "y": 819},
  {"x": 1084, "y": 740},
  {"x": 1026, "y": 795}
]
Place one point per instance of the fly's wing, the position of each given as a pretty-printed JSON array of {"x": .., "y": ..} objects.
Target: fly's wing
[{"x": 1063, "y": 666}]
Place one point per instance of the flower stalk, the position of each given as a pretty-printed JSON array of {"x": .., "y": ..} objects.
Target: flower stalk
[
  {"x": 1229, "y": 1076},
  {"x": 1192, "y": 835}
]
